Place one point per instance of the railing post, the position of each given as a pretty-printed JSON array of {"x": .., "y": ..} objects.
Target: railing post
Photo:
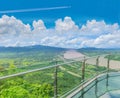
[
  {"x": 96, "y": 87},
  {"x": 107, "y": 82},
  {"x": 96, "y": 80},
  {"x": 108, "y": 67},
  {"x": 82, "y": 93},
  {"x": 97, "y": 61},
  {"x": 55, "y": 81},
  {"x": 83, "y": 70},
  {"x": 108, "y": 63},
  {"x": 83, "y": 76}
]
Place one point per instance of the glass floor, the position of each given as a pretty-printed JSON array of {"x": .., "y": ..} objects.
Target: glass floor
[
  {"x": 111, "y": 94},
  {"x": 106, "y": 86}
]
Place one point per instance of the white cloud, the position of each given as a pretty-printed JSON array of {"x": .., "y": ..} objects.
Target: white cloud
[
  {"x": 13, "y": 32},
  {"x": 111, "y": 40},
  {"x": 13, "y": 26},
  {"x": 97, "y": 28},
  {"x": 39, "y": 25},
  {"x": 66, "y": 25}
]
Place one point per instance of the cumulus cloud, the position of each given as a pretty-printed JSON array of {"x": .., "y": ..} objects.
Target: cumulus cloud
[
  {"x": 97, "y": 28},
  {"x": 13, "y": 32},
  {"x": 66, "y": 25},
  {"x": 39, "y": 25},
  {"x": 13, "y": 26}
]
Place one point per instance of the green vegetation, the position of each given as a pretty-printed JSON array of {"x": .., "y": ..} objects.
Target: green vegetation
[
  {"x": 98, "y": 51},
  {"x": 114, "y": 57},
  {"x": 19, "y": 59},
  {"x": 39, "y": 84},
  {"x": 26, "y": 58}
]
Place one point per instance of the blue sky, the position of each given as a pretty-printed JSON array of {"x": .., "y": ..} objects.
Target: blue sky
[
  {"x": 83, "y": 15},
  {"x": 80, "y": 11}
]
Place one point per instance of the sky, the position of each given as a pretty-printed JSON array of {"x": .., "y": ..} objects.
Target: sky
[{"x": 60, "y": 23}]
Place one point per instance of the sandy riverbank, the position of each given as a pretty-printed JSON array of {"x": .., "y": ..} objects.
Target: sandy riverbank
[{"x": 72, "y": 54}]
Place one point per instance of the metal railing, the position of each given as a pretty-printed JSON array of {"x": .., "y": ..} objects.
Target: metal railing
[
  {"x": 81, "y": 90},
  {"x": 98, "y": 86}
]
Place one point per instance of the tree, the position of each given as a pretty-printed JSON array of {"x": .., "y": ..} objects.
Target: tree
[
  {"x": 14, "y": 92},
  {"x": 43, "y": 91}
]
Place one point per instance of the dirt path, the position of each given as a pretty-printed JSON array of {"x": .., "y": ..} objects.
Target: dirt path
[{"x": 70, "y": 72}]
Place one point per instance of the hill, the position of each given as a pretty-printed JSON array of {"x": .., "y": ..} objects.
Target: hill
[{"x": 30, "y": 48}]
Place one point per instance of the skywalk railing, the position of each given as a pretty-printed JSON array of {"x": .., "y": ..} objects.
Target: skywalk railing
[
  {"x": 97, "y": 86},
  {"x": 65, "y": 76}
]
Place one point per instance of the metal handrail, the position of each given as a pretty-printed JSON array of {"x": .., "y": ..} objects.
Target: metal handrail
[
  {"x": 82, "y": 83},
  {"x": 48, "y": 67}
]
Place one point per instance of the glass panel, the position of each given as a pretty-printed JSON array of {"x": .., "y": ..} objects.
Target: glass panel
[
  {"x": 101, "y": 87},
  {"x": 69, "y": 76},
  {"x": 108, "y": 84},
  {"x": 90, "y": 93},
  {"x": 114, "y": 83}
]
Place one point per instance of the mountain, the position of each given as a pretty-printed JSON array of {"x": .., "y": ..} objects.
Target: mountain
[
  {"x": 49, "y": 48},
  {"x": 31, "y": 48}
]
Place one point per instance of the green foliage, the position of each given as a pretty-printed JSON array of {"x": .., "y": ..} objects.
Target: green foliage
[
  {"x": 14, "y": 92},
  {"x": 67, "y": 82},
  {"x": 38, "y": 56},
  {"x": 114, "y": 57},
  {"x": 40, "y": 84},
  {"x": 12, "y": 66},
  {"x": 19, "y": 88},
  {"x": 1, "y": 68},
  {"x": 42, "y": 91}
]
